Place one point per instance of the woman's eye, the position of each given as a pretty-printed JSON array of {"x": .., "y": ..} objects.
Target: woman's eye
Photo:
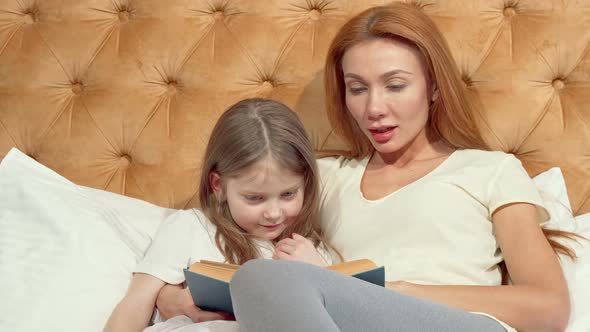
[
  {"x": 395, "y": 87},
  {"x": 356, "y": 90}
]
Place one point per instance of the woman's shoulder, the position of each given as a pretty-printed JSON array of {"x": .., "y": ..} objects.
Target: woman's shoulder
[
  {"x": 480, "y": 164},
  {"x": 484, "y": 158},
  {"x": 484, "y": 155}
]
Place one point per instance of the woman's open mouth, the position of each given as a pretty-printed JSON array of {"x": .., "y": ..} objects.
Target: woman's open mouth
[{"x": 382, "y": 134}]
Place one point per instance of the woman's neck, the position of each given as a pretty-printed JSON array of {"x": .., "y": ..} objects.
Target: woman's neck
[{"x": 422, "y": 148}]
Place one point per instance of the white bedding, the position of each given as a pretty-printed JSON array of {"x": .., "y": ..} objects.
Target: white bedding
[
  {"x": 185, "y": 324},
  {"x": 67, "y": 252}
]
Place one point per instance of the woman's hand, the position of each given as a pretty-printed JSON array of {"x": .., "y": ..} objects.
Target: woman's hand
[
  {"x": 400, "y": 286},
  {"x": 176, "y": 300},
  {"x": 298, "y": 249}
]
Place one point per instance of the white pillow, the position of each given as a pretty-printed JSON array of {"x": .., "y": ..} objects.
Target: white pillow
[
  {"x": 578, "y": 277},
  {"x": 552, "y": 188},
  {"x": 66, "y": 252}
]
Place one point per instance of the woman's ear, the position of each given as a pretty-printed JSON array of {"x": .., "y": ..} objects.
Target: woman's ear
[
  {"x": 216, "y": 185},
  {"x": 435, "y": 93}
]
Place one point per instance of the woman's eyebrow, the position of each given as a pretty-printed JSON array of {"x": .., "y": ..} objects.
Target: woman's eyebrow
[
  {"x": 382, "y": 76},
  {"x": 394, "y": 72}
]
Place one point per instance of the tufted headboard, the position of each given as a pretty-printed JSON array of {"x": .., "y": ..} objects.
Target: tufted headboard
[{"x": 121, "y": 95}]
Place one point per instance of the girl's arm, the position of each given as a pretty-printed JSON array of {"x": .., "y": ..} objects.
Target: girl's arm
[
  {"x": 134, "y": 311},
  {"x": 538, "y": 299}
]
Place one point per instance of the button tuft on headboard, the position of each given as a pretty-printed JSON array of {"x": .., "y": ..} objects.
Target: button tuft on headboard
[
  {"x": 77, "y": 88},
  {"x": 29, "y": 18},
  {"x": 267, "y": 85},
  {"x": 124, "y": 161},
  {"x": 218, "y": 15},
  {"x": 466, "y": 80},
  {"x": 509, "y": 12},
  {"x": 558, "y": 83},
  {"x": 315, "y": 14},
  {"x": 123, "y": 16},
  {"x": 172, "y": 88},
  {"x": 30, "y": 15}
]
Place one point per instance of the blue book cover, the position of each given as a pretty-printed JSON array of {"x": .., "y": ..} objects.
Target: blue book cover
[{"x": 213, "y": 294}]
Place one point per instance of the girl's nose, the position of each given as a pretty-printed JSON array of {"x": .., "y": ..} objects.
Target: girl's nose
[{"x": 273, "y": 213}]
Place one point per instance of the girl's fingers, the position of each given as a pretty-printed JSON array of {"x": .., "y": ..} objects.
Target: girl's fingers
[
  {"x": 281, "y": 255},
  {"x": 288, "y": 241},
  {"x": 298, "y": 237},
  {"x": 287, "y": 248}
]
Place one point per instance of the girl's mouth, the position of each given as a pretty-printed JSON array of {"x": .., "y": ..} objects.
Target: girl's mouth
[{"x": 271, "y": 226}]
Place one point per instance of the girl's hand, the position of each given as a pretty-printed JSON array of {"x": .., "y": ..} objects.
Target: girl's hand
[{"x": 298, "y": 249}]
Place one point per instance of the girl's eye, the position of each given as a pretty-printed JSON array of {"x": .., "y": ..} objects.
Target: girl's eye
[
  {"x": 288, "y": 194},
  {"x": 253, "y": 198}
]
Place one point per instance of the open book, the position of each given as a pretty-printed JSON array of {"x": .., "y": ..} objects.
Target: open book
[{"x": 208, "y": 282}]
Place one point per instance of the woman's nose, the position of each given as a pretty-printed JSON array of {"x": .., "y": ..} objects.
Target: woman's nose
[{"x": 376, "y": 106}]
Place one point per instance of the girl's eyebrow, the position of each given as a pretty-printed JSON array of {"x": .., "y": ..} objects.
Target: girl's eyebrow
[{"x": 292, "y": 188}]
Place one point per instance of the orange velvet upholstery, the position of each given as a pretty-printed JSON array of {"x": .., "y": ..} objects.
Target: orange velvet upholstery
[{"x": 121, "y": 95}]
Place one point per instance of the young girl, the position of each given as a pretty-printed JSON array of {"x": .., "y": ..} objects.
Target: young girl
[{"x": 258, "y": 186}]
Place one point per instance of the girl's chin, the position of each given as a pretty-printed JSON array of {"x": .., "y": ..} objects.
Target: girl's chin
[{"x": 270, "y": 236}]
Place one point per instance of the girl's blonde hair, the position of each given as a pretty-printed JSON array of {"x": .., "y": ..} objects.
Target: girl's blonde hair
[
  {"x": 249, "y": 131},
  {"x": 451, "y": 115}
]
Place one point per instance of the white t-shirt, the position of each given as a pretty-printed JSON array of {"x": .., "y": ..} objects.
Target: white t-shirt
[
  {"x": 437, "y": 230},
  {"x": 186, "y": 237}
]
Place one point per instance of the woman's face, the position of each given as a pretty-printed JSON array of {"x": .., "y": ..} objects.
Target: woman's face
[{"x": 387, "y": 93}]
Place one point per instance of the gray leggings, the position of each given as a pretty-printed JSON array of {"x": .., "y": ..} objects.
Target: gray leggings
[{"x": 270, "y": 295}]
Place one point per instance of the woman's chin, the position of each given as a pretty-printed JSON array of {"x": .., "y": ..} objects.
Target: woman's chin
[{"x": 386, "y": 148}]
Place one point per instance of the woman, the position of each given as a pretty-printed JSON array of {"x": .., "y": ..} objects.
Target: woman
[{"x": 420, "y": 195}]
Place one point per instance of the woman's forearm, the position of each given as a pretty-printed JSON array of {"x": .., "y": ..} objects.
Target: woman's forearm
[
  {"x": 526, "y": 308},
  {"x": 129, "y": 316}
]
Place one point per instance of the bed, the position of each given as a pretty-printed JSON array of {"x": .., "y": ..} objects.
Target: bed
[{"x": 118, "y": 97}]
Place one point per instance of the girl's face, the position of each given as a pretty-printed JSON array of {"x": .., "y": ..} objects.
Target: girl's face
[
  {"x": 264, "y": 199},
  {"x": 387, "y": 93}
]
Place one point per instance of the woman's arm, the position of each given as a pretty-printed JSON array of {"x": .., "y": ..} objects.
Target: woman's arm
[
  {"x": 134, "y": 311},
  {"x": 176, "y": 300},
  {"x": 538, "y": 300}
]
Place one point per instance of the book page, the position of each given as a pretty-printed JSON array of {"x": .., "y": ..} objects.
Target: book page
[
  {"x": 215, "y": 270},
  {"x": 225, "y": 272},
  {"x": 353, "y": 267}
]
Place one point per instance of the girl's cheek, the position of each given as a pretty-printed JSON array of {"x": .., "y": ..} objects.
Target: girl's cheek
[{"x": 296, "y": 207}]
